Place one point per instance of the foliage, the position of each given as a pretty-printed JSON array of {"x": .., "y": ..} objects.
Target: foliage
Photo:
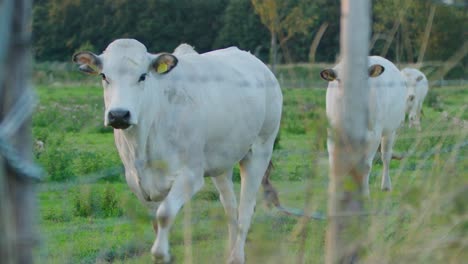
[
  {"x": 110, "y": 204},
  {"x": 238, "y": 25},
  {"x": 410, "y": 19},
  {"x": 61, "y": 27},
  {"x": 89, "y": 201},
  {"x": 284, "y": 20},
  {"x": 62, "y": 113},
  {"x": 57, "y": 161},
  {"x": 85, "y": 202}
]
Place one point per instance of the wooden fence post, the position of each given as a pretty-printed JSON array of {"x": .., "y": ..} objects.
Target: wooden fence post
[
  {"x": 345, "y": 204},
  {"x": 17, "y": 212}
]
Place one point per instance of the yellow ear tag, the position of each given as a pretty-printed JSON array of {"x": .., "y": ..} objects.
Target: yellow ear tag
[{"x": 162, "y": 68}]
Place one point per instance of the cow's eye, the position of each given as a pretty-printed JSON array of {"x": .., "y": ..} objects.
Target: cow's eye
[
  {"x": 104, "y": 77},
  {"x": 142, "y": 77}
]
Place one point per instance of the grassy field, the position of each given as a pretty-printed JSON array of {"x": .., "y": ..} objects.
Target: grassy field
[{"x": 88, "y": 215}]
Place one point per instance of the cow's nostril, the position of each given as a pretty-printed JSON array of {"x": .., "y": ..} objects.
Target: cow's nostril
[
  {"x": 126, "y": 115},
  {"x": 411, "y": 97},
  {"x": 119, "y": 114},
  {"x": 119, "y": 118}
]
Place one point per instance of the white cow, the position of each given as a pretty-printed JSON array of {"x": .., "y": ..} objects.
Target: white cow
[
  {"x": 418, "y": 87},
  {"x": 386, "y": 113},
  {"x": 184, "y": 116}
]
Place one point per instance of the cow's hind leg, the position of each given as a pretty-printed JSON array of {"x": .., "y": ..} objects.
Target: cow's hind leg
[
  {"x": 187, "y": 183},
  {"x": 228, "y": 198},
  {"x": 252, "y": 168},
  {"x": 367, "y": 166},
  {"x": 386, "y": 149}
]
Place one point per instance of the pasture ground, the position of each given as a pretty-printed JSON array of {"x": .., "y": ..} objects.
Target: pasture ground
[{"x": 88, "y": 214}]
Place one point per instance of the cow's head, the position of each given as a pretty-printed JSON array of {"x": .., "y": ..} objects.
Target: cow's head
[
  {"x": 412, "y": 81},
  {"x": 126, "y": 69},
  {"x": 332, "y": 75}
]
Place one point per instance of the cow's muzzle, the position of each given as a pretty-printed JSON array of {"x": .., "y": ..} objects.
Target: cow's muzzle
[{"x": 119, "y": 118}]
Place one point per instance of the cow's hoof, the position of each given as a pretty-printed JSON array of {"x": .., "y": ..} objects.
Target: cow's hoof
[
  {"x": 386, "y": 189},
  {"x": 161, "y": 259},
  {"x": 235, "y": 260}
]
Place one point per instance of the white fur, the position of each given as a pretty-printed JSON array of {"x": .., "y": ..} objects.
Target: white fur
[
  {"x": 417, "y": 90},
  {"x": 386, "y": 113},
  {"x": 183, "y": 49},
  {"x": 210, "y": 112}
]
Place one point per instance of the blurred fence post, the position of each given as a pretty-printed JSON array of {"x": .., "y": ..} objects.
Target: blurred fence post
[
  {"x": 345, "y": 229},
  {"x": 17, "y": 211},
  {"x": 427, "y": 32}
]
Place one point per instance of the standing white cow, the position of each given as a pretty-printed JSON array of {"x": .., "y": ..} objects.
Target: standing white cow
[
  {"x": 418, "y": 87},
  {"x": 184, "y": 116},
  {"x": 386, "y": 113}
]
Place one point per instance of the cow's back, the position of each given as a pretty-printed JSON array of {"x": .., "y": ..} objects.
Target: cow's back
[
  {"x": 232, "y": 99},
  {"x": 388, "y": 96}
]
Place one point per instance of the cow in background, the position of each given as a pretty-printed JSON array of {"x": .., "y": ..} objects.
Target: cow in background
[
  {"x": 387, "y": 99},
  {"x": 418, "y": 87}
]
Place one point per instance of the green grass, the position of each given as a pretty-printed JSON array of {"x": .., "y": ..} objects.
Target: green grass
[{"x": 89, "y": 215}]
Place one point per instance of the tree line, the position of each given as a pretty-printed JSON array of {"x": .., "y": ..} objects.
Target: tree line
[{"x": 281, "y": 30}]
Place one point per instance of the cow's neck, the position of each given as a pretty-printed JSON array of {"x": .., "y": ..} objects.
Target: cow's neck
[{"x": 135, "y": 141}]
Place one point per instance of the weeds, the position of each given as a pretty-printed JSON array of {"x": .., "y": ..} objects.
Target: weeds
[{"x": 91, "y": 201}]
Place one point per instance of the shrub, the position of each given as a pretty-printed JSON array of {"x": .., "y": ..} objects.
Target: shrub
[
  {"x": 57, "y": 215},
  {"x": 95, "y": 201},
  {"x": 87, "y": 162},
  {"x": 57, "y": 162},
  {"x": 85, "y": 202},
  {"x": 109, "y": 205}
]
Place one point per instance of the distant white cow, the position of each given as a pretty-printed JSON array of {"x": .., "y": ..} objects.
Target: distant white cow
[
  {"x": 418, "y": 87},
  {"x": 386, "y": 112},
  {"x": 181, "y": 117}
]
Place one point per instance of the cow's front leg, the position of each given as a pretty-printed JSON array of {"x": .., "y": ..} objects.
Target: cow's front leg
[{"x": 186, "y": 184}]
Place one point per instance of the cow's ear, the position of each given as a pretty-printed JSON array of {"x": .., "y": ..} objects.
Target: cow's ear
[
  {"x": 328, "y": 75},
  {"x": 376, "y": 70},
  {"x": 420, "y": 77},
  {"x": 89, "y": 62},
  {"x": 164, "y": 63}
]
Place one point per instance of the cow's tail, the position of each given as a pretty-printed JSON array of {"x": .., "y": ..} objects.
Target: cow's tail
[
  {"x": 269, "y": 192},
  {"x": 272, "y": 199},
  {"x": 397, "y": 156}
]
